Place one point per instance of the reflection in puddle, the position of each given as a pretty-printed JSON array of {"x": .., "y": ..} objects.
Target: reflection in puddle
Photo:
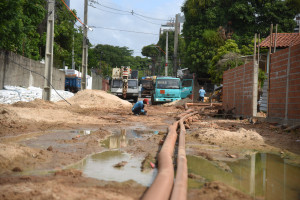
[
  {"x": 264, "y": 176},
  {"x": 100, "y": 166},
  {"x": 54, "y": 138},
  {"x": 123, "y": 138},
  {"x": 82, "y": 132}
]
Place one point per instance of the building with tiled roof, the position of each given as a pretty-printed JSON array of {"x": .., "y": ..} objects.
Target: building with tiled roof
[{"x": 283, "y": 40}]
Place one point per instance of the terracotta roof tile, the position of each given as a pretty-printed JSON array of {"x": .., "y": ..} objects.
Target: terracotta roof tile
[{"x": 282, "y": 40}]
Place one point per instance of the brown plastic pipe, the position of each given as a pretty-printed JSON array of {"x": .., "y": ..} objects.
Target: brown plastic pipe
[
  {"x": 180, "y": 186},
  {"x": 162, "y": 186},
  {"x": 201, "y": 104},
  {"x": 184, "y": 113}
]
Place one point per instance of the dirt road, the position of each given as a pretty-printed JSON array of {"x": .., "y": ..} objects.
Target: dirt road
[{"x": 41, "y": 141}]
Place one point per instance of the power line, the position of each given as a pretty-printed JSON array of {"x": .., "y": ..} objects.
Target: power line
[
  {"x": 146, "y": 20},
  {"x": 73, "y": 13},
  {"x": 91, "y": 5},
  {"x": 114, "y": 29},
  {"x": 41, "y": 76},
  {"x": 128, "y": 12}
]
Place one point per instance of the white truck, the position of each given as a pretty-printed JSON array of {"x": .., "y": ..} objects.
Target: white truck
[{"x": 124, "y": 83}]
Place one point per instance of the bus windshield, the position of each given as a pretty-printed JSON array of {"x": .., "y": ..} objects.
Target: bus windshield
[{"x": 168, "y": 84}]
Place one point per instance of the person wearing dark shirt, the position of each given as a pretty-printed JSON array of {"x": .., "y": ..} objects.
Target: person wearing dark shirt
[{"x": 138, "y": 108}]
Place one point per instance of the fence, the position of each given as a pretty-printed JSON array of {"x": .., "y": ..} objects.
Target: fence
[
  {"x": 238, "y": 89},
  {"x": 284, "y": 91},
  {"x": 17, "y": 70}
]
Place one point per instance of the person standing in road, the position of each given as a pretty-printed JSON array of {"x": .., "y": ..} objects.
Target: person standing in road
[
  {"x": 201, "y": 94},
  {"x": 138, "y": 108}
]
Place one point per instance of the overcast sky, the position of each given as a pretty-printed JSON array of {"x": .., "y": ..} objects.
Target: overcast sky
[{"x": 114, "y": 14}]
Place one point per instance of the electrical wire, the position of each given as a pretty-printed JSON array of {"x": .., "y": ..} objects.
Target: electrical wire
[
  {"x": 41, "y": 76},
  {"x": 113, "y": 29},
  {"x": 146, "y": 20},
  {"x": 107, "y": 10},
  {"x": 73, "y": 13},
  {"x": 130, "y": 12},
  {"x": 123, "y": 14}
]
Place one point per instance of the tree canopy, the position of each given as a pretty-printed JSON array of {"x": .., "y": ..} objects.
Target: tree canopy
[
  {"x": 209, "y": 23},
  {"x": 106, "y": 57},
  {"x": 23, "y": 27}
]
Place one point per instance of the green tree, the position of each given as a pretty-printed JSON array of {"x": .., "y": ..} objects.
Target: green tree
[
  {"x": 238, "y": 20},
  {"x": 108, "y": 57},
  {"x": 228, "y": 57},
  {"x": 19, "y": 26}
]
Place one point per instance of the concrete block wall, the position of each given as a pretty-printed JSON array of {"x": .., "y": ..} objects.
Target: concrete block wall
[
  {"x": 284, "y": 92},
  {"x": 97, "y": 81},
  {"x": 13, "y": 72},
  {"x": 238, "y": 89}
]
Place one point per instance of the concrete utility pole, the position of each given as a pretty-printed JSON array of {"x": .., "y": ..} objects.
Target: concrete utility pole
[
  {"x": 177, "y": 27},
  {"x": 49, "y": 51},
  {"x": 73, "y": 63},
  {"x": 166, "y": 66},
  {"x": 85, "y": 47},
  {"x": 255, "y": 80}
]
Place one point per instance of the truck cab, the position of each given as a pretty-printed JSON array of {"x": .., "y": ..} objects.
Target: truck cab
[
  {"x": 132, "y": 90},
  {"x": 166, "y": 89},
  {"x": 187, "y": 88}
]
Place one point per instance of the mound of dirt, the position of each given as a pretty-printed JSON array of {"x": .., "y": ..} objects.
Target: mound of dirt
[
  {"x": 37, "y": 103},
  {"x": 9, "y": 120},
  {"x": 179, "y": 102},
  {"x": 99, "y": 99},
  {"x": 14, "y": 156}
]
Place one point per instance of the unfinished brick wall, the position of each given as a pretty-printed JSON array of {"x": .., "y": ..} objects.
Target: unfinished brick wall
[
  {"x": 238, "y": 89},
  {"x": 284, "y": 92}
]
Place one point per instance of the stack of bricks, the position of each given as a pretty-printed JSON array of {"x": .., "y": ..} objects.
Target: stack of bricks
[
  {"x": 238, "y": 89},
  {"x": 284, "y": 92}
]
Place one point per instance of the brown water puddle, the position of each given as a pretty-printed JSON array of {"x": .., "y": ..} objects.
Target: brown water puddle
[
  {"x": 263, "y": 176},
  {"x": 101, "y": 166}
]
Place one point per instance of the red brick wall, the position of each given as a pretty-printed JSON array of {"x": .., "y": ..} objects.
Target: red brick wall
[
  {"x": 278, "y": 84},
  {"x": 237, "y": 89}
]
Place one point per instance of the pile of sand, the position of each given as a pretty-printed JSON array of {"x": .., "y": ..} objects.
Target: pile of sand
[
  {"x": 179, "y": 102},
  {"x": 8, "y": 120},
  {"x": 37, "y": 103},
  {"x": 99, "y": 99}
]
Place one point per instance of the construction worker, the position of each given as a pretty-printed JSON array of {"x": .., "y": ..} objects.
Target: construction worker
[
  {"x": 138, "y": 108},
  {"x": 201, "y": 94}
]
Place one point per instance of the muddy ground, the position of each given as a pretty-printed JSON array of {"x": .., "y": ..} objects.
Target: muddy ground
[{"x": 25, "y": 163}]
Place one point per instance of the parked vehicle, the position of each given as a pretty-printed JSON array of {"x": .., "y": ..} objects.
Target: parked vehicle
[
  {"x": 216, "y": 95},
  {"x": 124, "y": 83},
  {"x": 166, "y": 89},
  {"x": 72, "y": 83},
  {"x": 147, "y": 86},
  {"x": 187, "y": 86}
]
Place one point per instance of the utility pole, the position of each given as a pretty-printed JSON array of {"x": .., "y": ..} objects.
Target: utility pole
[
  {"x": 49, "y": 51},
  {"x": 73, "y": 63},
  {"x": 177, "y": 25},
  {"x": 85, "y": 47},
  {"x": 255, "y": 80},
  {"x": 166, "y": 65}
]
